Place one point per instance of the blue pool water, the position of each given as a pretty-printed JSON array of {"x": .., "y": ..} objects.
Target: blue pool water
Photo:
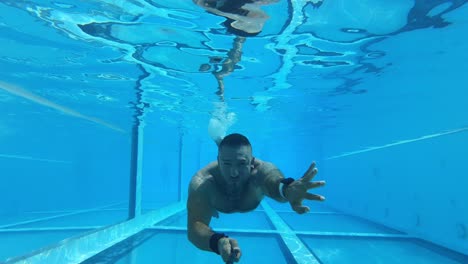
[{"x": 109, "y": 108}]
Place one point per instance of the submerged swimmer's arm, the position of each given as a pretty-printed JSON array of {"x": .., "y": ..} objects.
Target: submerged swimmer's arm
[
  {"x": 270, "y": 177},
  {"x": 199, "y": 216}
]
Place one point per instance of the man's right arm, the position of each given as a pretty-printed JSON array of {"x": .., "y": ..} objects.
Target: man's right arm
[{"x": 199, "y": 216}]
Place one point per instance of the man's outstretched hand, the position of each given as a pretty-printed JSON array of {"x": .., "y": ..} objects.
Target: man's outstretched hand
[
  {"x": 229, "y": 250},
  {"x": 296, "y": 192}
]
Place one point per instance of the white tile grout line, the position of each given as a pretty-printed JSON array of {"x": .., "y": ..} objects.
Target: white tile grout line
[
  {"x": 77, "y": 250},
  {"x": 289, "y": 237},
  {"x": 308, "y": 233},
  {"x": 8, "y": 156},
  {"x": 71, "y": 211},
  {"x": 55, "y": 216},
  {"x": 229, "y": 230},
  {"x": 453, "y": 131},
  {"x": 53, "y": 229},
  {"x": 312, "y": 213},
  {"x": 301, "y": 254},
  {"x": 352, "y": 234}
]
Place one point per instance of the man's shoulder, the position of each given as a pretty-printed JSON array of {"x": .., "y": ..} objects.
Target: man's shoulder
[
  {"x": 265, "y": 166},
  {"x": 263, "y": 170},
  {"x": 200, "y": 181},
  {"x": 203, "y": 180}
]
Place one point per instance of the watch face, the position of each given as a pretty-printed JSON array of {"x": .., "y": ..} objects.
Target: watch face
[{"x": 287, "y": 181}]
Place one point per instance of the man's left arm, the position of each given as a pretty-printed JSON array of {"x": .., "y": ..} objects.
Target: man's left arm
[
  {"x": 270, "y": 177},
  {"x": 292, "y": 191}
]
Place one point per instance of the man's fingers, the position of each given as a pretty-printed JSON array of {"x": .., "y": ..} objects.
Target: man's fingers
[
  {"x": 310, "y": 173},
  {"x": 253, "y": 171},
  {"x": 234, "y": 243},
  {"x": 225, "y": 248},
  {"x": 310, "y": 196},
  {"x": 254, "y": 166},
  {"x": 235, "y": 255},
  {"x": 300, "y": 209},
  {"x": 316, "y": 184},
  {"x": 235, "y": 251}
]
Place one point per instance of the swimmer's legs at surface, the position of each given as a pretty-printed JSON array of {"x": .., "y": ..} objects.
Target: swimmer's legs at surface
[{"x": 220, "y": 122}]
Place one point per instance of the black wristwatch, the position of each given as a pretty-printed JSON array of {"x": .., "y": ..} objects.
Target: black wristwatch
[{"x": 283, "y": 184}]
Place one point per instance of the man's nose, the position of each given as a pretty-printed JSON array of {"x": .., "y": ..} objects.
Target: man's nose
[{"x": 234, "y": 173}]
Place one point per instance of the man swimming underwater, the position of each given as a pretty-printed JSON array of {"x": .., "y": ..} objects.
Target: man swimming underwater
[{"x": 237, "y": 182}]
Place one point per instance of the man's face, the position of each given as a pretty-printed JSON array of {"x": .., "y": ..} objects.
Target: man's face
[{"x": 235, "y": 164}]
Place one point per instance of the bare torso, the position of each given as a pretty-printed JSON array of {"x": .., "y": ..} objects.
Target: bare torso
[
  {"x": 251, "y": 195},
  {"x": 248, "y": 201}
]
